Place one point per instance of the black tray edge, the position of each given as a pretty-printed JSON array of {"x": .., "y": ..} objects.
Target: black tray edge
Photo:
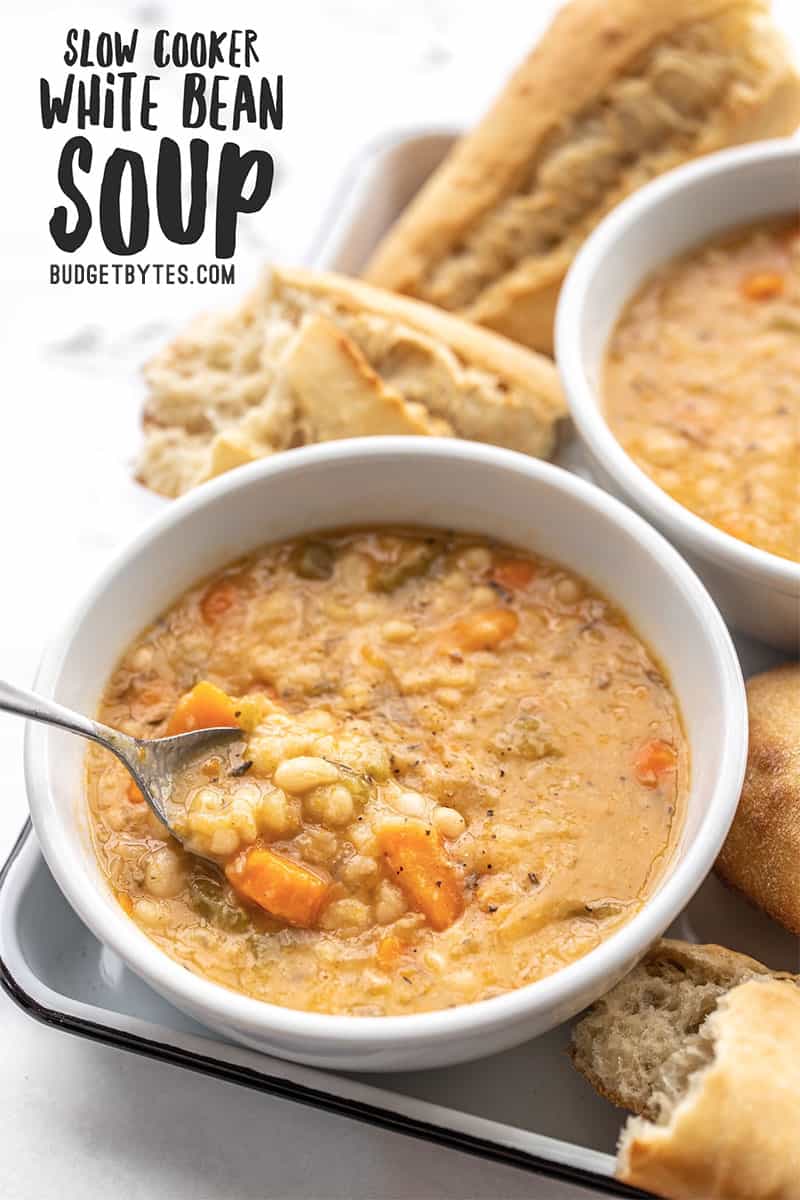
[{"x": 270, "y": 1085}]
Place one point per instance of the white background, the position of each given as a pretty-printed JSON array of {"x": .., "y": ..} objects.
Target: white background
[{"x": 79, "y": 1119}]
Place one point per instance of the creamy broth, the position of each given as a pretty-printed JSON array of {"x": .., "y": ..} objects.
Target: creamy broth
[
  {"x": 702, "y": 383},
  {"x": 460, "y": 770}
]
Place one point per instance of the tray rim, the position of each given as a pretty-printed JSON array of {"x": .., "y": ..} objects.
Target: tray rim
[
  {"x": 340, "y": 199},
  {"x": 169, "y": 1050}
]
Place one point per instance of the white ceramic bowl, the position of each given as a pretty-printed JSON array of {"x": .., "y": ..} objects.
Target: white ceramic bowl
[
  {"x": 758, "y": 592},
  {"x": 445, "y": 483}
]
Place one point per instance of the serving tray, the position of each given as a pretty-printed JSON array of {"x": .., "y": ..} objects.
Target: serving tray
[{"x": 526, "y": 1107}]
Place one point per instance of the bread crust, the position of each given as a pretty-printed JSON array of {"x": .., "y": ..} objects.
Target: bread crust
[
  {"x": 590, "y": 46},
  {"x": 311, "y": 356},
  {"x": 492, "y": 353},
  {"x": 321, "y": 354},
  {"x": 724, "y": 968},
  {"x": 723, "y": 965},
  {"x": 735, "y": 1135},
  {"x": 761, "y": 856}
]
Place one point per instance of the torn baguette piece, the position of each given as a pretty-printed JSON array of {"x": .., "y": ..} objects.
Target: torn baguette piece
[
  {"x": 364, "y": 402},
  {"x": 625, "y": 1043},
  {"x": 615, "y": 93},
  {"x": 704, "y": 1043},
  {"x": 734, "y": 1134},
  {"x": 761, "y": 856},
  {"x": 311, "y": 357}
]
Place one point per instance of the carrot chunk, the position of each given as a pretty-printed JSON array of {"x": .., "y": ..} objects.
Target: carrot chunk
[
  {"x": 390, "y": 948},
  {"x": 285, "y": 888},
  {"x": 514, "y": 574},
  {"x": 423, "y": 870},
  {"x": 133, "y": 792},
  {"x": 653, "y": 760},
  {"x": 204, "y": 707},
  {"x": 762, "y": 285},
  {"x": 485, "y": 630},
  {"x": 218, "y": 600}
]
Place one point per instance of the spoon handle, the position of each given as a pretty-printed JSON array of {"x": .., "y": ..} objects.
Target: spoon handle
[{"x": 37, "y": 708}]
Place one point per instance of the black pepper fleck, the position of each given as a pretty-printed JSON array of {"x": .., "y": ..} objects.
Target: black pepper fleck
[{"x": 242, "y": 768}]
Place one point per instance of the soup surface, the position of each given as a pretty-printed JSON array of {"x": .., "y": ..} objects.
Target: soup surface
[
  {"x": 702, "y": 383},
  {"x": 460, "y": 769}
]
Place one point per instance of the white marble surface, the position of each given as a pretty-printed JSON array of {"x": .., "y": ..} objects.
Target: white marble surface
[{"x": 79, "y": 1119}]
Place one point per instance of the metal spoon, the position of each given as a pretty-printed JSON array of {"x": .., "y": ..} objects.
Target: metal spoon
[{"x": 153, "y": 762}]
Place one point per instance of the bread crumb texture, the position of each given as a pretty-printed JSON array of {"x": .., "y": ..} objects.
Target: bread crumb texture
[
  {"x": 636, "y": 1044},
  {"x": 309, "y": 357}
]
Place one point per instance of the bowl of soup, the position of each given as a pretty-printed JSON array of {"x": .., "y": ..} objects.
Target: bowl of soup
[
  {"x": 678, "y": 335},
  {"x": 493, "y": 733}
]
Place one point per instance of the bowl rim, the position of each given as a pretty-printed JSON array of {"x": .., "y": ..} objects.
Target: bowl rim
[
  {"x": 362, "y": 1034},
  {"x": 686, "y": 527}
]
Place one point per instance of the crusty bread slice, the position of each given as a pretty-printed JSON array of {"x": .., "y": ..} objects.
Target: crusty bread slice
[
  {"x": 312, "y": 357},
  {"x": 761, "y": 856},
  {"x": 734, "y": 1132},
  {"x": 364, "y": 402},
  {"x": 689, "y": 1040},
  {"x": 633, "y": 1043},
  {"x": 615, "y": 93}
]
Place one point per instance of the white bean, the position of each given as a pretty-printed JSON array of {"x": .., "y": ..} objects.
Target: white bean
[
  {"x": 448, "y": 822},
  {"x": 224, "y": 841},
  {"x": 304, "y": 773},
  {"x": 397, "y": 631},
  {"x": 163, "y": 874},
  {"x": 148, "y": 912},
  {"x": 410, "y": 804},
  {"x": 434, "y": 961}
]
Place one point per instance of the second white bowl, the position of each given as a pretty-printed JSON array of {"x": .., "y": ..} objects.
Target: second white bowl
[{"x": 758, "y": 592}]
